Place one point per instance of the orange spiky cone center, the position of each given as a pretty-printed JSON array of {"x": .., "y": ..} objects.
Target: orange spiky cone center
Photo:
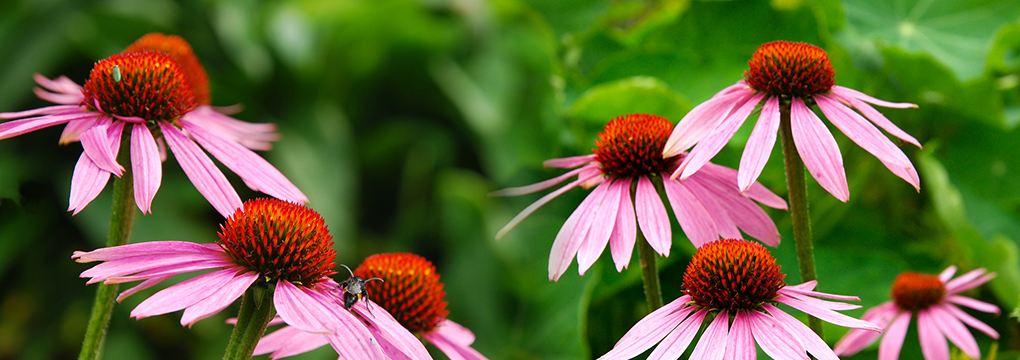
[
  {"x": 180, "y": 50},
  {"x": 733, "y": 274},
  {"x": 792, "y": 69},
  {"x": 915, "y": 291},
  {"x": 279, "y": 240},
  {"x": 632, "y": 145},
  {"x": 410, "y": 289},
  {"x": 148, "y": 85}
]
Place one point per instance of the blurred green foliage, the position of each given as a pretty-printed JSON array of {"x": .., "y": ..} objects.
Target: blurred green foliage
[{"x": 400, "y": 116}]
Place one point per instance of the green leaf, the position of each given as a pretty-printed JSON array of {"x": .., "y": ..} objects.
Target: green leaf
[{"x": 634, "y": 95}]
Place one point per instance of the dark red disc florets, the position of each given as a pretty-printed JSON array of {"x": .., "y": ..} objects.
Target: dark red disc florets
[
  {"x": 180, "y": 50},
  {"x": 791, "y": 69},
  {"x": 915, "y": 291},
  {"x": 149, "y": 85},
  {"x": 631, "y": 146},
  {"x": 733, "y": 274},
  {"x": 279, "y": 240},
  {"x": 410, "y": 289}
]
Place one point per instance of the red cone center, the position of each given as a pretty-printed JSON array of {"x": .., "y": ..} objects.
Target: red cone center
[
  {"x": 410, "y": 289},
  {"x": 149, "y": 85},
  {"x": 915, "y": 291},
  {"x": 733, "y": 274},
  {"x": 632, "y": 145},
  {"x": 790, "y": 69}
]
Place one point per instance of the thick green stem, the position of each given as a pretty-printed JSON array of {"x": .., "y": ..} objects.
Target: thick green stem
[
  {"x": 649, "y": 273},
  {"x": 256, "y": 312},
  {"x": 797, "y": 185},
  {"x": 122, "y": 217}
]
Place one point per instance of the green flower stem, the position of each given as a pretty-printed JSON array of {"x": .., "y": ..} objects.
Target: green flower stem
[
  {"x": 797, "y": 185},
  {"x": 649, "y": 273},
  {"x": 122, "y": 217},
  {"x": 256, "y": 312}
]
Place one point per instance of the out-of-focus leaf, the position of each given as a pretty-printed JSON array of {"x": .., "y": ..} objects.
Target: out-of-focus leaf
[
  {"x": 636, "y": 95},
  {"x": 957, "y": 33},
  {"x": 1004, "y": 67}
]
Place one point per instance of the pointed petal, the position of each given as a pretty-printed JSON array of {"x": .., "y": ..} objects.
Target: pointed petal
[
  {"x": 152, "y": 248},
  {"x": 535, "y": 205},
  {"x": 692, "y": 216},
  {"x": 251, "y": 167},
  {"x": 812, "y": 308},
  {"x": 183, "y": 294},
  {"x": 819, "y": 150},
  {"x": 569, "y": 162},
  {"x": 231, "y": 290},
  {"x": 602, "y": 227},
  {"x": 773, "y": 337},
  {"x": 97, "y": 144},
  {"x": 712, "y": 345},
  {"x": 288, "y": 341},
  {"x": 969, "y": 281},
  {"x": 621, "y": 243},
  {"x": 740, "y": 342},
  {"x": 208, "y": 179},
  {"x": 851, "y": 93},
  {"x": 395, "y": 340},
  {"x": 742, "y": 211},
  {"x": 652, "y": 217},
  {"x": 947, "y": 274},
  {"x": 973, "y": 304},
  {"x": 356, "y": 342},
  {"x": 933, "y": 343},
  {"x": 87, "y": 181},
  {"x": 142, "y": 286},
  {"x": 145, "y": 166},
  {"x": 449, "y": 346},
  {"x": 856, "y": 340},
  {"x": 74, "y": 128},
  {"x": 61, "y": 84},
  {"x": 892, "y": 341},
  {"x": 678, "y": 340},
  {"x": 569, "y": 238},
  {"x": 969, "y": 320},
  {"x": 955, "y": 331},
  {"x": 795, "y": 291},
  {"x": 759, "y": 145},
  {"x": 707, "y": 148},
  {"x": 653, "y": 328},
  {"x": 757, "y": 191},
  {"x": 717, "y": 207},
  {"x": 807, "y": 338},
  {"x": 302, "y": 310},
  {"x": 250, "y": 135},
  {"x": 17, "y": 127},
  {"x": 877, "y": 118},
  {"x": 454, "y": 332},
  {"x": 539, "y": 186},
  {"x": 703, "y": 118}
]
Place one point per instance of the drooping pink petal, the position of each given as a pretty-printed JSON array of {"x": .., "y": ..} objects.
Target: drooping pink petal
[
  {"x": 704, "y": 118},
  {"x": 249, "y": 166},
  {"x": 97, "y": 144},
  {"x": 933, "y": 343},
  {"x": 602, "y": 226},
  {"x": 184, "y": 294},
  {"x": 167, "y": 268},
  {"x": 759, "y": 145},
  {"x": 973, "y": 304},
  {"x": 707, "y": 148},
  {"x": 145, "y": 166},
  {"x": 652, "y": 218},
  {"x": 61, "y": 110},
  {"x": 812, "y": 307},
  {"x": 87, "y": 181},
  {"x": 621, "y": 243},
  {"x": 569, "y": 162},
  {"x": 876, "y": 117},
  {"x": 568, "y": 239},
  {"x": 969, "y": 320},
  {"x": 254, "y": 136},
  {"x": 74, "y": 128},
  {"x": 652, "y": 328},
  {"x": 288, "y": 341},
  {"x": 56, "y": 98},
  {"x": 819, "y": 150},
  {"x": 794, "y": 291},
  {"x": 742, "y": 211},
  {"x": 300, "y": 309},
  {"x": 142, "y": 286},
  {"x": 206, "y": 177},
  {"x": 851, "y": 93},
  {"x": 219, "y": 300},
  {"x": 718, "y": 209},
  {"x": 153, "y": 248},
  {"x": 395, "y": 340},
  {"x": 947, "y": 274},
  {"x": 757, "y": 191},
  {"x": 892, "y": 341},
  {"x": 740, "y": 342},
  {"x": 17, "y": 127},
  {"x": 712, "y": 345},
  {"x": 363, "y": 346},
  {"x": 831, "y": 305},
  {"x": 807, "y": 338},
  {"x": 955, "y": 331},
  {"x": 454, "y": 332},
  {"x": 539, "y": 186},
  {"x": 535, "y": 205},
  {"x": 970, "y": 280},
  {"x": 674, "y": 344},
  {"x": 690, "y": 213},
  {"x": 61, "y": 84},
  {"x": 856, "y": 340},
  {"x": 453, "y": 349},
  {"x": 773, "y": 337}
]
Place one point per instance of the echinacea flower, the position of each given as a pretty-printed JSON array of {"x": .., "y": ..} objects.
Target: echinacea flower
[
  {"x": 793, "y": 76},
  {"x": 149, "y": 94},
  {"x": 739, "y": 284},
  {"x": 628, "y": 155},
  {"x": 410, "y": 291},
  {"x": 933, "y": 299},
  {"x": 269, "y": 243}
]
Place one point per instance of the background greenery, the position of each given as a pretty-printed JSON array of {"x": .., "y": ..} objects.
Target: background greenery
[{"x": 399, "y": 116}]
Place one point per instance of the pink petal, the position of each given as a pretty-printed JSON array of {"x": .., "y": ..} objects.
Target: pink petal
[
  {"x": 208, "y": 179},
  {"x": 17, "y": 127},
  {"x": 757, "y": 192},
  {"x": 539, "y": 186},
  {"x": 969, "y": 320},
  {"x": 62, "y": 112},
  {"x": 87, "y": 181},
  {"x": 718, "y": 208},
  {"x": 851, "y": 93},
  {"x": 64, "y": 99},
  {"x": 856, "y": 340},
  {"x": 773, "y": 337},
  {"x": 674, "y": 344},
  {"x": 759, "y": 145},
  {"x": 712, "y": 345},
  {"x": 743, "y": 212},
  {"x": 153, "y": 248},
  {"x": 807, "y": 338},
  {"x": 395, "y": 340},
  {"x": 454, "y": 332},
  {"x": 652, "y": 217},
  {"x": 892, "y": 342},
  {"x": 61, "y": 84},
  {"x": 569, "y": 162},
  {"x": 973, "y": 304},
  {"x": 304, "y": 311},
  {"x": 569, "y": 238},
  {"x": 707, "y": 148},
  {"x": 691, "y": 214},
  {"x": 453, "y": 349},
  {"x": 819, "y": 150},
  {"x": 877, "y": 117},
  {"x": 184, "y": 294},
  {"x": 356, "y": 342},
  {"x": 253, "y": 169},
  {"x": 653, "y": 328},
  {"x": 703, "y": 119},
  {"x": 74, "y": 128},
  {"x": 968, "y": 281},
  {"x": 535, "y": 205},
  {"x": 144, "y": 267},
  {"x": 794, "y": 291},
  {"x": 621, "y": 243},
  {"x": 219, "y": 300},
  {"x": 933, "y": 343},
  {"x": 289, "y": 341},
  {"x": 955, "y": 331},
  {"x": 740, "y": 342},
  {"x": 602, "y": 227},
  {"x": 947, "y": 274},
  {"x": 830, "y": 305},
  {"x": 142, "y": 286},
  {"x": 812, "y": 307},
  {"x": 98, "y": 146},
  {"x": 145, "y": 166},
  {"x": 250, "y": 135}
]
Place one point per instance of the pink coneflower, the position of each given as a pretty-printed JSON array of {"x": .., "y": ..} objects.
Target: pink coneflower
[
  {"x": 268, "y": 243},
  {"x": 794, "y": 75},
  {"x": 628, "y": 155},
  {"x": 738, "y": 283},
  {"x": 149, "y": 93},
  {"x": 933, "y": 299},
  {"x": 410, "y": 291}
]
